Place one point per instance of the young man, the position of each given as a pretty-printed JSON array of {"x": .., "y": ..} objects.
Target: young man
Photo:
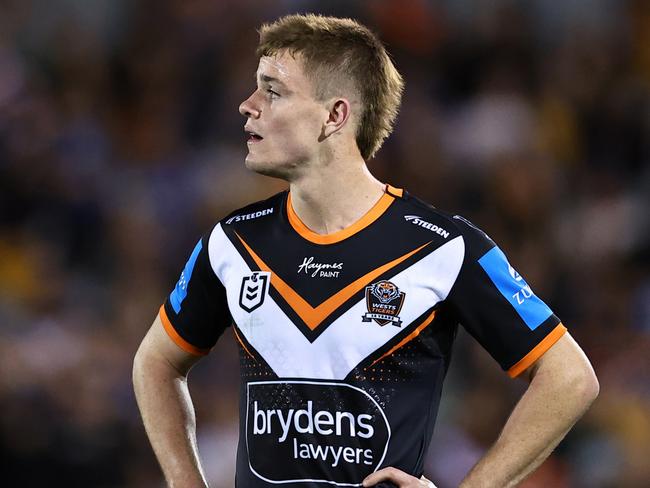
[{"x": 344, "y": 295}]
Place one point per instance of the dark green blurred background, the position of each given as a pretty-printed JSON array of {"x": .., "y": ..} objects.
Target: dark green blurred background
[{"x": 121, "y": 143}]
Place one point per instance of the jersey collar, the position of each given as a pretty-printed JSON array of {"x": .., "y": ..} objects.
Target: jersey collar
[{"x": 372, "y": 215}]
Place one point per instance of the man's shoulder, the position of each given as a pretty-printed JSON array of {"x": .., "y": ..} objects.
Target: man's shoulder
[
  {"x": 255, "y": 211},
  {"x": 449, "y": 224},
  {"x": 255, "y": 219},
  {"x": 422, "y": 214}
]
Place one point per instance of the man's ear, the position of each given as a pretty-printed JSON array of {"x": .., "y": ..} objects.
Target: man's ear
[{"x": 339, "y": 114}]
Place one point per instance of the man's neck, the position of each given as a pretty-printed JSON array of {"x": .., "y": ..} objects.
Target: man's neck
[{"x": 335, "y": 196}]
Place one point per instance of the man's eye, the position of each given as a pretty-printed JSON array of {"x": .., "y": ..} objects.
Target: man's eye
[{"x": 272, "y": 93}]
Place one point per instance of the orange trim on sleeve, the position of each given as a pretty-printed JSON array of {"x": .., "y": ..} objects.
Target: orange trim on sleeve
[
  {"x": 180, "y": 342},
  {"x": 538, "y": 351},
  {"x": 313, "y": 316},
  {"x": 373, "y": 214},
  {"x": 408, "y": 338}
]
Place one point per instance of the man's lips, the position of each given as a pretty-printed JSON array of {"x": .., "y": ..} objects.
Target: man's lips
[{"x": 252, "y": 136}]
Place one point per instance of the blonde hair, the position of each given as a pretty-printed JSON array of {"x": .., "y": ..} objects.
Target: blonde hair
[{"x": 337, "y": 54}]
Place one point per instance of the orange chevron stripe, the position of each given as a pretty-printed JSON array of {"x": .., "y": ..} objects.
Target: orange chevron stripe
[
  {"x": 313, "y": 316},
  {"x": 408, "y": 338},
  {"x": 242, "y": 343}
]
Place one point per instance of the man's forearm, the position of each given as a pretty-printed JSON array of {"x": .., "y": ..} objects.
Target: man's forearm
[
  {"x": 169, "y": 419},
  {"x": 542, "y": 417},
  {"x": 510, "y": 460}
]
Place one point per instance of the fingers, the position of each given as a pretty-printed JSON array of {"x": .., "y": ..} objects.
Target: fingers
[
  {"x": 427, "y": 483},
  {"x": 398, "y": 477}
]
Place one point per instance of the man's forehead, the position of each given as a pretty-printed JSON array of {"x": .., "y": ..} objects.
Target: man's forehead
[
  {"x": 284, "y": 68},
  {"x": 274, "y": 66}
]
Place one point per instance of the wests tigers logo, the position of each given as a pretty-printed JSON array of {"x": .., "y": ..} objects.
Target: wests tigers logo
[{"x": 384, "y": 301}]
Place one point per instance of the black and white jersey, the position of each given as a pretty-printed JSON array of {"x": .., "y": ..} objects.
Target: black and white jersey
[{"x": 345, "y": 338}]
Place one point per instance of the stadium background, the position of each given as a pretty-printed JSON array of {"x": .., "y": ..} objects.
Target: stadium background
[{"x": 120, "y": 143}]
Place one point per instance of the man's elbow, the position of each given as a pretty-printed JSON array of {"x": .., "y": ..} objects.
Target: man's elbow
[
  {"x": 590, "y": 387},
  {"x": 587, "y": 386},
  {"x": 581, "y": 384}
]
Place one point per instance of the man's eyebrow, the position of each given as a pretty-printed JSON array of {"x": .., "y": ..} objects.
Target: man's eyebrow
[{"x": 268, "y": 79}]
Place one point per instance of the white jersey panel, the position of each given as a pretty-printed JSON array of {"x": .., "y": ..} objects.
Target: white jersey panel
[{"x": 348, "y": 340}]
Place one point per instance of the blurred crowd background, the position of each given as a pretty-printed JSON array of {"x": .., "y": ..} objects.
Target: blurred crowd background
[{"x": 121, "y": 143}]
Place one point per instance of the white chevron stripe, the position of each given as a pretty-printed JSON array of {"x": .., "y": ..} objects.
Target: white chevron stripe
[{"x": 347, "y": 341}]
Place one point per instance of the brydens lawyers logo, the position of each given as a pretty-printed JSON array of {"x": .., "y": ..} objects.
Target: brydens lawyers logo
[
  {"x": 253, "y": 289},
  {"x": 318, "y": 432},
  {"x": 384, "y": 301}
]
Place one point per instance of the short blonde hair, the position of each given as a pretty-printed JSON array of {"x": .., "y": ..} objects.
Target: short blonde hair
[{"x": 335, "y": 51}]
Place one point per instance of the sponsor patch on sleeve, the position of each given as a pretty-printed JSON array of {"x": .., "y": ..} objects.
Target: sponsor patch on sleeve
[
  {"x": 512, "y": 286},
  {"x": 180, "y": 290}
]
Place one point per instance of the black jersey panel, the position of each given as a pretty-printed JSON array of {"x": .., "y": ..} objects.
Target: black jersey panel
[
  {"x": 385, "y": 357},
  {"x": 197, "y": 307},
  {"x": 396, "y": 361}
]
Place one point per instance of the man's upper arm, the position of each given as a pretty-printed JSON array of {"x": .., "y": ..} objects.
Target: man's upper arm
[
  {"x": 565, "y": 361},
  {"x": 157, "y": 344}
]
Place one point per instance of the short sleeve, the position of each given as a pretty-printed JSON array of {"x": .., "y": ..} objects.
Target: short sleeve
[
  {"x": 498, "y": 308},
  {"x": 196, "y": 312}
]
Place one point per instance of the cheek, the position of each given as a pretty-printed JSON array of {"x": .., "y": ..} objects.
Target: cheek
[{"x": 301, "y": 132}]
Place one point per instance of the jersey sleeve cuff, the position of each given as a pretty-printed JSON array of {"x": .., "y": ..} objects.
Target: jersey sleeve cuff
[
  {"x": 538, "y": 351},
  {"x": 178, "y": 340}
]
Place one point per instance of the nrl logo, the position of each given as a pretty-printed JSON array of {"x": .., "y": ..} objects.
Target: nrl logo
[
  {"x": 384, "y": 301},
  {"x": 253, "y": 290}
]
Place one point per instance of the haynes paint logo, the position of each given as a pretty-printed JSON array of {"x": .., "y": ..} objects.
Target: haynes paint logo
[
  {"x": 322, "y": 270},
  {"x": 317, "y": 431}
]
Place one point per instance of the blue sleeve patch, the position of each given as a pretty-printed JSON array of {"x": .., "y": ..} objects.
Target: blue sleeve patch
[
  {"x": 180, "y": 290},
  {"x": 512, "y": 286}
]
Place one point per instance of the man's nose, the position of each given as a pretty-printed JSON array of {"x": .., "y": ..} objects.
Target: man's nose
[{"x": 247, "y": 108}]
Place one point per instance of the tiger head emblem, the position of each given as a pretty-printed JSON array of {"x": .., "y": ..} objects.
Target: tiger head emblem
[
  {"x": 385, "y": 291},
  {"x": 384, "y": 301}
]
